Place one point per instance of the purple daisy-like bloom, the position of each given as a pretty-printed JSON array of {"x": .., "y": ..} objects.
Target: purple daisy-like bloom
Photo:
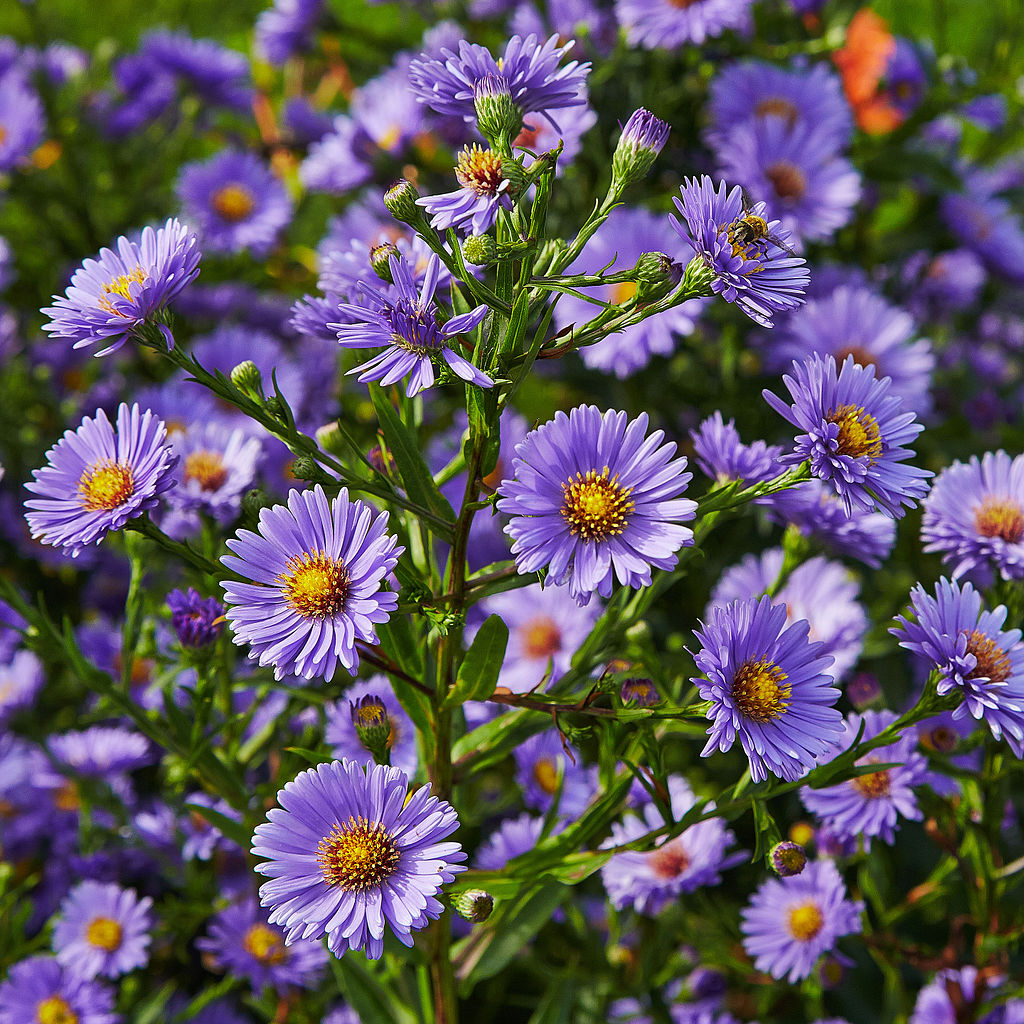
[
  {"x": 103, "y": 751},
  {"x": 474, "y": 206},
  {"x": 531, "y": 69},
  {"x": 317, "y": 568},
  {"x": 96, "y": 478},
  {"x": 541, "y": 763},
  {"x": 857, "y": 321},
  {"x": 749, "y": 90},
  {"x": 974, "y": 516},
  {"x": 408, "y": 326},
  {"x": 285, "y": 28},
  {"x": 338, "y": 162},
  {"x": 734, "y": 244},
  {"x": 350, "y": 851},
  {"x": 667, "y": 25},
  {"x": 822, "y": 592},
  {"x": 341, "y": 731},
  {"x": 243, "y": 943},
  {"x": 386, "y": 109},
  {"x": 973, "y": 654},
  {"x": 871, "y": 805},
  {"x": 22, "y": 119},
  {"x": 218, "y": 74},
  {"x": 111, "y": 296},
  {"x": 855, "y": 430},
  {"x": 235, "y": 202},
  {"x": 40, "y": 989},
  {"x": 593, "y": 497},
  {"x": 942, "y": 283},
  {"x": 194, "y": 617},
  {"x": 627, "y": 234},
  {"x": 816, "y": 511},
  {"x": 21, "y": 678},
  {"x": 546, "y": 628},
  {"x": 509, "y": 840},
  {"x": 724, "y": 457},
  {"x": 988, "y": 225},
  {"x": 790, "y": 922},
  {"x": 650, "y": 881},
  {"x": 796, "y": 171},
  {"x": 102, "y": 929},
  {"x": 935, "y": 1003},
  {"x": 767, "y": 684},
  {"x": 202, "y": 837}
]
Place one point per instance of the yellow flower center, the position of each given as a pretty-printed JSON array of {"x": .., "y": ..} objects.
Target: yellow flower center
[
  {"x": 233, "y": 202},
  {"x": 265, "y": 944},
  {"x": 315, "y": 585},
  {"x": 622, "y": 292},
  {"x": 787, "y": 180},
  {"x": 776, "y": 106},
  {"x": 104, "y": 933},
  {"x": 121, "y": 286},
  {"x": 545, "y": 774},
  {"x": 106, "y": 485},
  {"x": 3, "y": 134},
  {"x": 480, "y": 170},
  {"x": 760, "y": 690},
  {"x": 805, "y": 921},
  {"x": 207, "y": 469},
  {"x": 942, "y": 739},
  {"x": 55, "y": 1011},
  {"x": 858, "y": 432},
  {"x": 67, "y": 798},
  {"x": 1000, "y": 517},
  {"x": 370, "y": 716},
  {"x": 993, "y": 662},
  {"x": 541, "y": 637},
  {"x": 861, "y": 356},
  {"x": 596, "y": 507},
  {"x": 358, "y": 855},
  {"x": 873, "y": 785},
  {"x": 669, "y": 860}
]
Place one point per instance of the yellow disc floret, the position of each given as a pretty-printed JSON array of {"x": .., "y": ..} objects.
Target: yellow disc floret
[
  {"x": 315, "y": 585},
  {"x": 207, "y": 469},
  {"x": 104, "y": 933},
  {"x": 760, "y": 690},
  {"x": 805, "y": 921},
  {"x": 265, "y": 944},
  {"x": 233, "y": 202},
  {"x": 357, "y": 855},
  {"x": 595, "y": 506},
  {"x": 859, "y": 436},
  {"x": 106, "y": 485},
  {"x": 55, "y": 1010},
  {"x": 1000, "y": 517}
]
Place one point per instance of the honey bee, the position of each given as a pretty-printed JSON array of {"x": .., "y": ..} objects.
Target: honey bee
[{"x": 752, "y": 228}]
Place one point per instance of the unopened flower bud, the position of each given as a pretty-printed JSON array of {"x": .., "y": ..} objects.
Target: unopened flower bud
[
  {"x": 197, "y": 621},
  {"x": 697, "y": 279},
  {"x": 253, "y": 501},
  {"x": 640, "y": 692},
  {"x": 474, "y": 905},
  {"x": 480, "y": 250},
  {"x": 247, "y": 377},
  {"x": 330, "y": 440},
  {"x": 863, "y": 689},
  {"x": 380, "y": 260},
  {"x": 305, "y": 467},
  {"x": 657, "y": 275},
  {"x": 497, "y": 114},
  {"x": 641, "y": 141},
  {"x": 400, "y": 200},
  {"x": 382, "y": 460},
  {"x": 370, "y": 718},
  {"x": 787, "y": 859}
]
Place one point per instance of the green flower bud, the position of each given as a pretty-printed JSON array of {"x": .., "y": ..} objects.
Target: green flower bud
[
  {"x": 641, "y": 141},
  {"x": 247, "y": 377},
  {"x": 305, "y": 467},
  {"x": 787, "y": 859},
  {"x": 474, "y": 905},
  {"x": 656, "y": 275},
  {"x": 400, "y": 200},
  {"x": 498, "y": 116},
  {"x": 370, "y": 718},
  {"x": 380, "y": 260},
  {"x": 330, "y": 440},
  {"x": 697, "y": 279},
  {"x": 253, "y": 502},
  {"x": 480, "y": 250}
]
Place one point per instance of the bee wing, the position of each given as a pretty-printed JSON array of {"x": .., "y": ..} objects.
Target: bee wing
[
  {"x": 748, "y": 199},
  {"x": 775, "y": 240}
]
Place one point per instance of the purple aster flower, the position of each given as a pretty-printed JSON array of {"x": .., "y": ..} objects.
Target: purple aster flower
[
  {"x": 942, "y": 284},
  {"x": 102, "y": 751},
  {"x": 317, "y": 568},
  {"x": 790, "y": 922},
  {"x": 855, "y": 430},
  {"x": 666, "y": 25},
  {"x": 22, "y": 120},
  {"x": 235, "y": 202},
  {"x": 112, "y": 296},
  {"x": 822, "y": 592},
  {"x": 341, "y": 731},
  {"x": 546, "y": 628},
  {"x": 338, "y": 162},
  {"x": 202, "y": 837},
  {"x": 543, "y": 763},
  {"x": 305, "y": 122},
  {"x": 650, "y": 881},
  {"x": 817, "y": 512},
  {"x": 386, "y": 109},
  {"x": 39, "y": 989},
  {"x": 974, "y": 515},
  {"x": 987, "y": 224},
  {"x": 973, "y": 654},
  {"x": 627, "y": 234},
  {"x": 531, "y": 69},
  {"x": 194, "y": 618},
  {"x": 593, "y": 497},
  {"x": 986, "y": 111},
  {"x": 513, "y": 837},
  {"x": 219, "y": 75},
  {"x": 408, "y": 326},
  {"x": 96, "y": 478},
  {"x": 243, "y": 943},
  {"x": 767, "y": 683},
  {"x": 735, "y": 245},
  {"x": 857, "y": 321},
  {"x": 796, "y": 171},
  {"x": 474, "y": 206},
  {"x": 871, "y": 805},
  {"x": 592, "y": 25},
  {"x": 724, "y": 457},
  {"x": 750, "y": 91},
  {"x": 342, "y": 1015},
  {"x": 935, "y": 1002},
  {"x": 21, "y": 678},
  {"x": 286, "y": 28},
  {"x": 350, "y": 852},
  {"x": 905, "y": 80},
  {"x": 146, "y": 91},
  {"x": 102, "y": 929}
]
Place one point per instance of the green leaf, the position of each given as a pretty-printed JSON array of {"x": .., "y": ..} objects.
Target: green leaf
[
  {"x": 516, "y": 326},
  {"x": 405, "y": 449},
  {"x": 234, "y": 830},
  {"x": 478, "y": 673},
  {"x": 366, "y": 993}
]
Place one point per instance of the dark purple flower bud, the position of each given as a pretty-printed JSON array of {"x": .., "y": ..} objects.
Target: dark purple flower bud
[
  {"x": 863, "y": 689},
  {"x": 498, "y": 116},
  {"x": 641, "y": 141},
  {"x": 370, "y": 718},
  {"x": 196, "y": 620},
  {"x": 787, "y": 859},
  {"x": 641, "y": 692}
]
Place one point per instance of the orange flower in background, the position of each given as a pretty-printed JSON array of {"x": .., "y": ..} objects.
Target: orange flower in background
[{"x": 862, "y": 63}]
